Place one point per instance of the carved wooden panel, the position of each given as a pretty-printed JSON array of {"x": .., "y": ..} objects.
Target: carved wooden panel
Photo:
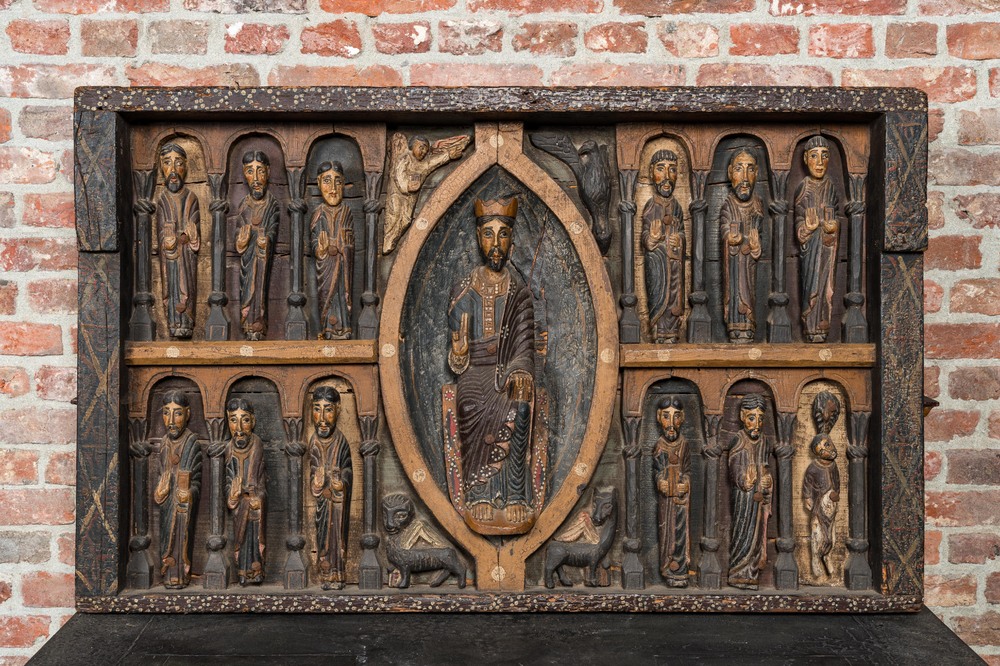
[{"x": 500, "y": 350}]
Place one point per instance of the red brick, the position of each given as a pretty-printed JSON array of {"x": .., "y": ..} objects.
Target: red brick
[
  {"x": 455, "y": 74},
  {"x": 159, "y": 74},
  {"x": 935, "y": 210},
  {"x": 6, "y": 210},
  {"x": 974, "y": 41},
  {"x": 41, "y": 37},
  {"x": 933, "y": 294},
  {"x": 47, "y": 590},
  {"x": 23, "y": 631},
  {"x": 959, "y": 166},
  {"x": 346, "y": 75},
  {"x": 974, "y": 466},
  {"x": 949, "y": 590},
  {"x": 911, "y": 40},
  {"x": 49, "y": 210},
  {"x": 13, "y": 381},
  {"x": 995, "y": 425},
  {"x": 979, "y": 127},
  {"x": 991, "y": 659},
  {"x": 536, "y": 6},
  {"x": 973, "y": 547},
  {"x": 932, "y": 547},
  {"x": 48, "y": 424},
  {"x": 932, "y": 465},
  {"x": 979, "y": 296},
  {"x": 994, "y": 82},
  {"x": 841, "y": 40},
  {"x": 943, "y": 425},
  {"x": 15, "y": 661},
  {"x": 53, "y": 296},
  {"x": 963, "y": 508},
  {"x": 26, "y": 166},
  {"x": 981, "y": 210},
  {"x": 18, "y": 467},
  {"x": 661, "y": 7},
  {"x": 4, "y": 125},
  {"x": 935, "y": 124},
  {"x": 53, "y": 81},
  {"x": 61, "y": 470},
  {"x": 255, "y": 38},
  {"x": 932, "y": 378},
  {"x": 618, "y": 75},
  {"x": 977, "y": 629},
  {"x": 336, "y": 38},
  {"x": 66, "y": 163},
  {"x": 23, "y": 339},
  {"x": 953, "y": 253},
  {"x": 617, "y": 38},
  {"x": 53, "y": 123},
  {"x": 47, "y": 254},
  {"x": 547, "y": 38},
  {"x": 962, "y": 340},
  {"x": 689, "y": 40},
  {"x": 247, "y": 6},
  {"x": 110, "y": 39},
  {"x": 721, "y": 74},
  {"x": 36, "y": 506},
  {"x": 847, "y": 7},
  {"x": 753, "y": 39},
  {"x": 30, "y": 547},
  {"x": 74, "y": 339},
  {"x": 102, "y": 6},
  {"x": 956, "y": 7},
  {"x": 66, "y": 543},
  {"x": 8, "y": 297},
  {"x": 397, "y": 38},
  {"x": 469, "y": 37},
  {"x": 4, "y": 591},
  {"x": 178, "y": 37},
  {"x": 993, "y": 588},
  {"x": 377, "y": 7},
  {"x": 56, "y": 383},
  {"x": 942, "y": 84}
]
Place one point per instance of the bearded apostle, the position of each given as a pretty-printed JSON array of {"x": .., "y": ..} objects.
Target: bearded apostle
[
  {"x": 246, "y": 490},
  {"x": 258, "y": 232},
  {"x": 672, "y": 478},
  {"x": 739, "y": 230},
  {"x": 331, "y": 476},
  {"x": 750, "y": 493},
  {"x": 663, "y": 248},
  {"x": 178, "y": 217},
  {"x": 331, "y": 231}
]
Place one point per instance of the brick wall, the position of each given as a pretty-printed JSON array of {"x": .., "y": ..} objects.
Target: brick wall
[{"x": 950, "y": 48}]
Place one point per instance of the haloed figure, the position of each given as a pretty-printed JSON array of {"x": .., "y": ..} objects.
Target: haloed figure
[
  {"x": 672, "y": 477},
  {"x": 246, "y": 491},
  {"x": 751, "y": 492},
  {"x": 331, "y": 231},
  {"x": 663, "y": 245},
  {"x": 177, "y": 491},
  {"x": 178, "y": 218},
  {"x": 330, "y": 465},
  {"x": 255, "y": 239},
  {"x": 739, "y": 230},
  {"x": 821, "y": 484}
]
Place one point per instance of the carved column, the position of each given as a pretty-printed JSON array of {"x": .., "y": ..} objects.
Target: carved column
[
  {"x": 857, "y": 571},
  {"x": 779, "y": 327},
  {"x": 217, "y": 324},
  {"x": 700, "y": 321},
  {"x": 219, "y": 567},
  {"x": 709, "y": 569},
  {"x": 140, "y": 561},
  {"x": 141, "y": 326},
  {"x": 370, "y": 577},
  {"x": 786, "y": 571},
  {"x": 368, "y": 321},
  {"x": 296, "y": 570},
  {"x": 296, "y": 326},
  {"x": 855, "y": 328},
  {"x": 629, "y": 329},
  {"x": 633, "y": 574}
]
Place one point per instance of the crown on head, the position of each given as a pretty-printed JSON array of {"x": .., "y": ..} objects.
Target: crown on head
[{"x": 497, "y": 208}]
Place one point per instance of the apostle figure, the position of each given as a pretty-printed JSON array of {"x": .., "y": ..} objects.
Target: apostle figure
[
  {"x": 821, "y": 484},
  {"x": 739, "y": 230},
  {"x": 410, "y": 164},
  {"x": 330, "y": 466},
  {"x": 491, "y": 318},
  {"x": 672, "y": 476},
  {"x": 258, "y": 232},
  {"x": 178, "y": 218},
  {"x": 331, "y": 231},
  {"x": 176, "y": 492},
  {"x": 246, "y": 490},
  {"x": 817, "y": 228},
  {"x": 663, "y": 245},
  {"x": 751, "y": 492}
]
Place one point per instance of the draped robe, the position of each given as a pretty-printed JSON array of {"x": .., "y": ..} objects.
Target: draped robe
[
  {"x": 818, "y": 253},
  {"x": 255, "y": 261},
  {"x": 180, "y": 459},
  {"x": 333, "y": 507},
  {"x": 334, "y": 271},
  {"x": 664, "y": 267},
  {"x": 177, "y": 213},
  {"x": 249, "y": 508},
  {"x": 751, "y": 506},
  {"x": 739, "y": 262},
  {"x": 821, "y": 486},
  {"x": 672, "y": 463}
]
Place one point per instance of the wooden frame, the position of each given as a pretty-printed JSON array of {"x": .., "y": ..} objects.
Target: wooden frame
[{"x": 897, "y": 123}]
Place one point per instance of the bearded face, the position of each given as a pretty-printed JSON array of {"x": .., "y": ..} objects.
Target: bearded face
[
  {"x": 664, "y": 177},
  {"x": 241, "y": 425},
  {"x": 256, "y": 175},
  {"x": 175, "y": 418},
  {"x": 743, "y": 176},
  {"x": 174, "y": 168},
  {"x": 753, "y": 421},
  {"x": 324, "y": 416},
  {"x": 670, "y": 419},
  {"x": 495, "y": 238}
]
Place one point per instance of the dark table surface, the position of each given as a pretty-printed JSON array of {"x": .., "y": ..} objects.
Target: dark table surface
[{"x": 577, "y": 639}]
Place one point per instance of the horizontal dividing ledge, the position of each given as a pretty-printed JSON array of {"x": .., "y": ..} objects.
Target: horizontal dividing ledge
[
  {"x": 269, "y": 352},
  {"x": 748, "y": 356}
]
